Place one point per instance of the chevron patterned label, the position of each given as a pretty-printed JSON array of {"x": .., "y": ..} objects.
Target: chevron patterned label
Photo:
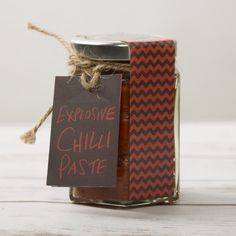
[{"x": 152, "y": 99}]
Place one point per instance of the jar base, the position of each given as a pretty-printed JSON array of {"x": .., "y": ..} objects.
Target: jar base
[{"x": 125, "y": 204}]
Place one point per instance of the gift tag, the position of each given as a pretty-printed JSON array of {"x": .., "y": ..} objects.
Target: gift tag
[{"x": 85, "y": 133}]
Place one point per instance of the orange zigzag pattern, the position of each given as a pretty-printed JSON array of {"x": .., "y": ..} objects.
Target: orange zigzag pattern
[{"x": 152, "y": 95}]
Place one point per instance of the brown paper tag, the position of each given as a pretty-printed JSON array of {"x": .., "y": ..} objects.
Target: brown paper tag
[{"x": 84, "y": 133}]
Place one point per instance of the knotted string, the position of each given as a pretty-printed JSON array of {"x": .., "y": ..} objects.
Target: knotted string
[{"x": 87, "y": 69}]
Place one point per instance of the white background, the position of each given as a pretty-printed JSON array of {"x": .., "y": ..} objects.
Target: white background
[{"x": 205, "y": 31}]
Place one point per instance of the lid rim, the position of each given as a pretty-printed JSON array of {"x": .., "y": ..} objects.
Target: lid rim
[{"x": 113, "y": 47}]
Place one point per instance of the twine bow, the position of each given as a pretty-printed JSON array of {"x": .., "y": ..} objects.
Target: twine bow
[{"x": 87, "y": 69}]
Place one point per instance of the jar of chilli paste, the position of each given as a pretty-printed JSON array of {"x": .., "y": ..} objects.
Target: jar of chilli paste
[{"x": 148, "y": 152}]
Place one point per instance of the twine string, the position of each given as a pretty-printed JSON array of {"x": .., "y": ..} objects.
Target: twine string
[
  {"x": 30, "y": 136},
  {"x": 87, "y": 69}
]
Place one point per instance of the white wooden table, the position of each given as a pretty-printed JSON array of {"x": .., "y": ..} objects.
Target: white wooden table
[{"x": 208, "y": 191}]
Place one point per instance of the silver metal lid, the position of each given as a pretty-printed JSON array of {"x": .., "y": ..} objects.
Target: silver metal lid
[{"x": 113, "y": 47}]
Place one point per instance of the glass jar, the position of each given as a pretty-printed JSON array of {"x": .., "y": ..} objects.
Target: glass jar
[{"x": 109, "y": 49}]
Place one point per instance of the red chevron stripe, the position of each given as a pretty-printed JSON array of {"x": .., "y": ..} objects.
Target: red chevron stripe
[
  {"x": 165, "y": 173},
  {"x": 159, "y": 116},
  {"x": 166, "y": 92},
  {"x": 151, "y": 194},
  {"x": 152, "y": 59},
  {"x": 158, "y": 76},
  {"x": 144, "y": 166},
  {"x": 150, "y": 174},
  {"x": 151, "y": 68},
  {"x": 145, "y": 159},
  {"x": 152, "y": 107},
  {"x": 157, "y": 138},
  {"x": 151, "y": 97},
  {"x": 144, "y": 146},
  {"x": 157, "y": 88},
  {"x": 143, "y": 127},
  {"x": 152, "y": 138},
  {"x": 153, "y": 155},
  {"x": 153, "y": 49},
  {"x": 151, "y": 184}
]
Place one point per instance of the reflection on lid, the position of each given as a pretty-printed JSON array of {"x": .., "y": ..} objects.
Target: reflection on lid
[{"x": 110, "y": 47}]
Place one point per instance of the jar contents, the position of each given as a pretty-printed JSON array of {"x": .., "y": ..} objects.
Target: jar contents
[{"x": 121, "y": 191}]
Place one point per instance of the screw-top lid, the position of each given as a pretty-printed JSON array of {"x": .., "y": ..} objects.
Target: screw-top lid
[{"x": 113, "y": 47}]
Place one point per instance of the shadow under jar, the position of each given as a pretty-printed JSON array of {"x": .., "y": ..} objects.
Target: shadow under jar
[{"x": 109, "y": 49}]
